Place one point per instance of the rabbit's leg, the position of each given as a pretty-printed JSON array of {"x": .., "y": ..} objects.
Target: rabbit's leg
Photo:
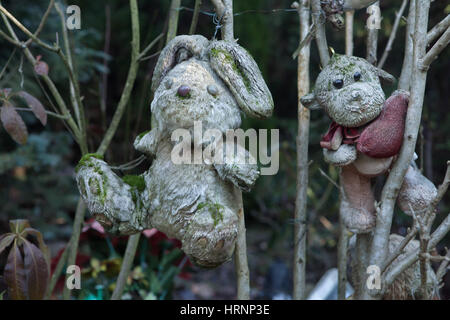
[
  {"x": 416, "y": 193},
  {"x": 238, "y": 167},
  {"x": 116, "y": 204},
  {"x": 147, "y": 142}
]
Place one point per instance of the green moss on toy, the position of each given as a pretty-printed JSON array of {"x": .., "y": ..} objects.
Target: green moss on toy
[
  {"x": 215, "y": 209},
  {"x": 135, "y": 181},
  {"x": 230, "y": 60},
  {"x": 85, "y": 160}
]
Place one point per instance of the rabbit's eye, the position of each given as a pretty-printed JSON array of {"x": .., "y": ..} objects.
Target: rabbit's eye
[
  {"x": 357, "y": 76},
  {"x": 212, "y": 90}
]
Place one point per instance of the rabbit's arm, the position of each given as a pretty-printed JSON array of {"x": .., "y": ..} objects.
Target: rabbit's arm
[
  {"x": 118, "y": 204},
  {"x": 239, "y": 168},
  {"x": 147, "y": 142}
]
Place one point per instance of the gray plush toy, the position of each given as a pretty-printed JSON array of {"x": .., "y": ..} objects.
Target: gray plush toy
[
  {"x": 364, "y": 138},
  {"x": 195, "y": 80}
]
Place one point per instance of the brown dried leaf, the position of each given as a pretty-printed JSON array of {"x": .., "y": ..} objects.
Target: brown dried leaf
[
  {"x": 14, "y": 275},
  {"x": 13, "y": 123},
  {"x": 37, "y": 271},
  {"x": 35, "y": 106}
]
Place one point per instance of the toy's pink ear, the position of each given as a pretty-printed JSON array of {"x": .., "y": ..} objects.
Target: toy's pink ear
[{"x": 383, "y": 138}]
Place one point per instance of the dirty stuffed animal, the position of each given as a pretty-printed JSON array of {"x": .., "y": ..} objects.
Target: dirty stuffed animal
[
  {"x": 364, "y": 137},
  {"x": 195, "y": 80}
]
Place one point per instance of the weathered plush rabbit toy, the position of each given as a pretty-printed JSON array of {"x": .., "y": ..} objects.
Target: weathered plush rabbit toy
[
  {"x": 365, "y": 136},
  {"x": 195, "y": 80}
]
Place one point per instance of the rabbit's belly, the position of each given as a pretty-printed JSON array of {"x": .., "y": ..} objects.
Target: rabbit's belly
[{"x": 175, "y": 191}]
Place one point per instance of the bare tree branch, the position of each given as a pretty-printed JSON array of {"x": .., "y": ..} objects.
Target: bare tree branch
[
  {"x": 433, "y": 53},
  {"x": 42, "y": 23},
  {"x": 195, "y": 15},
  {"x": 379, "y": 247},
  {"x": 405, "y": 76},
  {"x": 318, "y": 19},
  {"x": 438, "y": 29},
  {"x": 349, "y": 17},
  {"x": 372, "y": 41},
  {"x": 300, "y": 216},
  {"x": 173, "y": 19}
]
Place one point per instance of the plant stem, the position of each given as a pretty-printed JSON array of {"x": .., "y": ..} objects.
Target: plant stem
[
  {"x": 173, "y": 19},
  {"x": 125, "y": 268}
]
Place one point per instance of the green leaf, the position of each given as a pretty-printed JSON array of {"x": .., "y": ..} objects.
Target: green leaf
[
  {"x": 37, "y": 271},
  {"x": 13, "y": 123},
  {"x": 14, "y": 275},
  {"x": 6, "y": 241},
  {"x": 35, "y": 106}
]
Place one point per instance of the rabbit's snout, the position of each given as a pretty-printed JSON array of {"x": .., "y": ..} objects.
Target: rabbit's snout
[{"x": 183, "y": 91}]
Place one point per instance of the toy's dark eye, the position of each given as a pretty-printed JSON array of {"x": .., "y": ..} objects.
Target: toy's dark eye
[
  {"x": 357, "y": 76},
  {"x": 338, "y": 83}
]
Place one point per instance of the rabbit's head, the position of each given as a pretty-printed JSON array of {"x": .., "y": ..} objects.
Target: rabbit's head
[{"x": 209, "y": 81}]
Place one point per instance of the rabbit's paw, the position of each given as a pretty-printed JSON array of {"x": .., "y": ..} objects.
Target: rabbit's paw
[
  {"x": 112, "y": 201},
  {"x": 242, "y": 176},
  {"x": 147, "y": 142}
]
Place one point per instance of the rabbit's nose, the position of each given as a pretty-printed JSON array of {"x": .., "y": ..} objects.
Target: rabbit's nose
[{"x": 183, "y": 91}]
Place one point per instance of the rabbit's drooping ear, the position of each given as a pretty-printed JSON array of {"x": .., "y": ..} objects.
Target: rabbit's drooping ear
[
  {"x": 241, "y": 74},
  {"x": 177, "y": 50}
]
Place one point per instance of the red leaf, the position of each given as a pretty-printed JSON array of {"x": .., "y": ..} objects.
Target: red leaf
[
  {"x": 6, "y": 241},
  {"x": 41, "y": 68},
  {"x": 14, "y": 275},
  {"x": 35, "y": 106},
  {"x": 37, "y": 271},
  {"x": 13, "y": 123}
]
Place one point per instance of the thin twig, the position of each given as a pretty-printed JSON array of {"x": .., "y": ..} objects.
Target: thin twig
[
  {"x": 129, "y": 84},
  {"x": 53, "y": 114},
  {"x": 388, "y": 48},
  {"x": 433, "y": 53},
  {"x": 42, "y": 23},
  {"x": 150, "y": 46},
  {"x": 438, "y": 29},
  {"x": 125, "y": 268},
  {"x": 318, "y": 19},
  {"x": 194, "y": 21},
  {"x": 405, "y": 75}
]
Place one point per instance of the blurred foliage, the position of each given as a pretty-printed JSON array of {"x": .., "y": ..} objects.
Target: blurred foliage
[{"x": 37, "y": 178}]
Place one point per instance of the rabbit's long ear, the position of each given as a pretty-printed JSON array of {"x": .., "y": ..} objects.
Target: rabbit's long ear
[
  {"x": 177, "y": 50},
  {"x": 241, "y": 74}
]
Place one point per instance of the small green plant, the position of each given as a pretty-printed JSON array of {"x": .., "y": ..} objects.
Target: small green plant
[{"x": 26, "y": 273}]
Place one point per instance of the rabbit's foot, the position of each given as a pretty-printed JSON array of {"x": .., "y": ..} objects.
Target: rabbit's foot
[
  {"x": 210, "y": 237},
  {"x": 115, "y": 203}
]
